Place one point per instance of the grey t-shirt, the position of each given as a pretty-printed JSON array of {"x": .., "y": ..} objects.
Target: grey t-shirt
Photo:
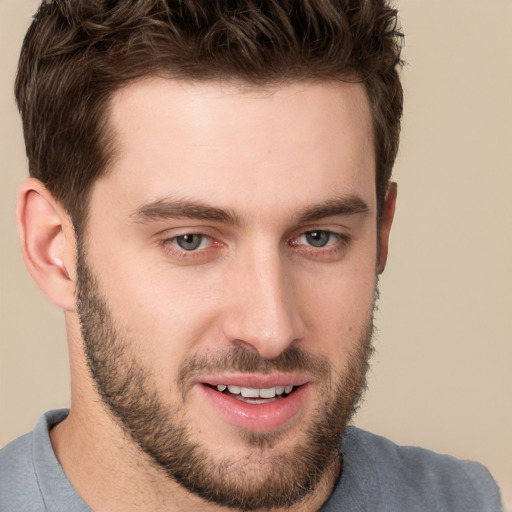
[{"x": 378, "y": 476}]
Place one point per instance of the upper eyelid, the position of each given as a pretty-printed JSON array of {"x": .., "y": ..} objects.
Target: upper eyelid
[
  {"x": 194, "y": 233},
  {"x": 204, "y": 232},
  {"x": 174, "y": 232},
  {"x": 332, "y": 231},
  {"x": 332, "y": 225}
]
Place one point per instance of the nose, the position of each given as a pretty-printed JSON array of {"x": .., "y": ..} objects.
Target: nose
[{"x": 264, "y": 312}]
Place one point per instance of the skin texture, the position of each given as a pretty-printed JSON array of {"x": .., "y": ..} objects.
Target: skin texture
[
  {"x": 262, "y": 175},
  {"x": 261, "y": 478}
]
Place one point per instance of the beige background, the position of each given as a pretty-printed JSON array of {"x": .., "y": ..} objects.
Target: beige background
[{"x": 442, "y": 373}]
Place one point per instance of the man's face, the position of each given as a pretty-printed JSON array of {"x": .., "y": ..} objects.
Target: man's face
[{"x": 227, "y": 280}]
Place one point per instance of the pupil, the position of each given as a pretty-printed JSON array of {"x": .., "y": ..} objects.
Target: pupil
[
  {"x": 189, "y": 242},
  {"x": 317, "y": 238}
]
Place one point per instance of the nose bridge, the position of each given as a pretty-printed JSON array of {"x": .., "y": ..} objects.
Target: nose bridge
[{"x": 264, "y": 311}]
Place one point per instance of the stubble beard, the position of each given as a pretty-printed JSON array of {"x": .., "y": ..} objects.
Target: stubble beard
[{"x": 258, "y": 480}]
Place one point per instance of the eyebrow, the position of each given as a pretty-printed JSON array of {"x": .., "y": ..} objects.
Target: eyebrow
[
  {"x": 163, "y": 209},
  {"x": 343, "y": 206}
]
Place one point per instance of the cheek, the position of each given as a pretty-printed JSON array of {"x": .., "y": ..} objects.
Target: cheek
[
  {"x": 169, "y": 313},
  {"x": 338, "y": 309},
  {"x": 164, "y": 315}
]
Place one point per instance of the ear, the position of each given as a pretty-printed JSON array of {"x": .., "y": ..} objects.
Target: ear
[
  {"x": 47, "y": 242},
  {"x": 385, "y": 225}
]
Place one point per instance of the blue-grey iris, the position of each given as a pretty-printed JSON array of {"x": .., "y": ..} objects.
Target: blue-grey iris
[
  {"x": 318, "y": 238},
  {"x": 189, "y": 242}
]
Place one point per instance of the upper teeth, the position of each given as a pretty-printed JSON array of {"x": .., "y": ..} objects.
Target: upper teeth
[{"x": 255, "y": 392}]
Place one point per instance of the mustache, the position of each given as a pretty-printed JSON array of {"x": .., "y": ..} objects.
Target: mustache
[{"x": 237, "y": 359}]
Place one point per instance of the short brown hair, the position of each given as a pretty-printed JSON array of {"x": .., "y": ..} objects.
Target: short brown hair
[{"x": 77, "y": 53}]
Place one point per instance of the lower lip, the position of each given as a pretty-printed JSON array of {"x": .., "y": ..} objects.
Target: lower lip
[{"x": 257, "y": 417}]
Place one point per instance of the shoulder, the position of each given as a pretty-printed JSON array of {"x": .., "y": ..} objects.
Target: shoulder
[
  {"x": 411, "y": 478},
  {"x": 438, "y": 469},
  {"x": 17, "y": 476},
  {"x": 22, "y": 464}
]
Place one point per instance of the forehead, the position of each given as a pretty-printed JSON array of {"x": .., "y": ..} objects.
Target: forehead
[{"x": 238, "y": 146}]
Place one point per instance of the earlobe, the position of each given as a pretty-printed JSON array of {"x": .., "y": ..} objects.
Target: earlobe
[
  {"x": 385, "y": 226},
  {"x": 47, "y": 242}
]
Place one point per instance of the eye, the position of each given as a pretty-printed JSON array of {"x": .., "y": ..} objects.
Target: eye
[
  {"x": 191, "y": 241},
  {"x": 318, "y": 238}
]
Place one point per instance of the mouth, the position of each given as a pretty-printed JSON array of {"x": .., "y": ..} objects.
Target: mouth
[
  {"x": 256, "y": 396},
  {"x": 257, "y": 403}
]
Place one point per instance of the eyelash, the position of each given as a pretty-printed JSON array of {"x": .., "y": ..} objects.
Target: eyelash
[
  {"x": 169, "y": 244},
  {"x": 341, "y": 241}
]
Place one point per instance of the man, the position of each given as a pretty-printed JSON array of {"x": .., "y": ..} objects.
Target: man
[{"x": 210, "y": 204}]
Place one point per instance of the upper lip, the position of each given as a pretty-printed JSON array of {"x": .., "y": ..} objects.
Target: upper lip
[{"x": 255, "y": 380}]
